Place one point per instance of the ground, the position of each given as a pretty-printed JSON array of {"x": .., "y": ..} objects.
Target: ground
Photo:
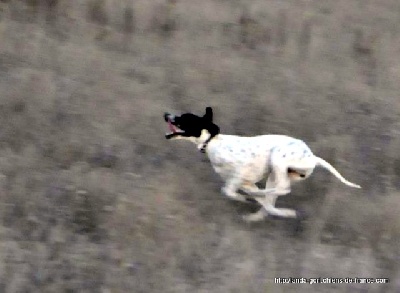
[{"x": 94, "y": 199}]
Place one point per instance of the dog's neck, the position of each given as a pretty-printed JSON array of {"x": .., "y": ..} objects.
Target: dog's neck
[{"x": 199, "y": 141}]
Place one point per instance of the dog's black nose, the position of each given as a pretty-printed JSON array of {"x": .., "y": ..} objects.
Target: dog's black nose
[
  {"x": 169, "y": 117},
  {"x": 166, "y": 116}
]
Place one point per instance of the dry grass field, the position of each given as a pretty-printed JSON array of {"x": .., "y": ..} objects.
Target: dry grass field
[{"x": 94, "y": 199}]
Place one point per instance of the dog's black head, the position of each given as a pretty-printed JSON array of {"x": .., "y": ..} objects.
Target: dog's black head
[{"x": 190, "y": 125}]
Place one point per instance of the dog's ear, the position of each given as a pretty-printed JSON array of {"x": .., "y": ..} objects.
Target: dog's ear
[{"x": 209, "y": 114}]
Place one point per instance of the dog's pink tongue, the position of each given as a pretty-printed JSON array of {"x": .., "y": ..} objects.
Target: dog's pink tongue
[{"x": 171, "y": 127}]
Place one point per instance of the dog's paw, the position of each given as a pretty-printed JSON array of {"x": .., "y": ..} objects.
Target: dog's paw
[
  {"x": 298, "y": 223},
  {"x": 301, "y": 215}
]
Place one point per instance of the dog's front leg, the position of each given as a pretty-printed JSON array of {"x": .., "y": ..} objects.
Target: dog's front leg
[
  {"x": 256, "y": 217},
  {"x": 281, "y": 187},
  {"x": 230, "y": 189},
  {"x": 253, "y": 190}
]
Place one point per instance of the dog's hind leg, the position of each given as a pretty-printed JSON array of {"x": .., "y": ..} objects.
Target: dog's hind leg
[
  {"x": 282, "y": 187},
  {"x": 268, "y": 208},
  {"x": 278, "y": 212},
  {"x": 252, "y": 189}
]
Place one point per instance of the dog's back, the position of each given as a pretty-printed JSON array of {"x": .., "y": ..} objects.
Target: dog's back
[{"x": 250, "y": 156}]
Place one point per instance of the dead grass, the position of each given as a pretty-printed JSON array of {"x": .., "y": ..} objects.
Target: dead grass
[{"x": 93, "y": 199}]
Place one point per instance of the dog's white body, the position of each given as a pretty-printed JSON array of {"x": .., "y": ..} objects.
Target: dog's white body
[
  {"x": 244, "y": 161},
  {"x": 248, "y": 157}
]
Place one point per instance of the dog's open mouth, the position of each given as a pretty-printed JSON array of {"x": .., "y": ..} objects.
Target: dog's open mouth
[{"x": 173, "y": 128}]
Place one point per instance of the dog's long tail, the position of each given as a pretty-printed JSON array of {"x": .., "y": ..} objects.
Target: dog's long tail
[{"x": 330, "y": 168}]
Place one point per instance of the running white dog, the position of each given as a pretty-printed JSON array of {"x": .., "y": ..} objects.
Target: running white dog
[{"x": 244, "y": 161}]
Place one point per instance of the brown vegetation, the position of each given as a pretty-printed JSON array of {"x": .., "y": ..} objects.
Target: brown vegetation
[{"x": 94, "y": 199}]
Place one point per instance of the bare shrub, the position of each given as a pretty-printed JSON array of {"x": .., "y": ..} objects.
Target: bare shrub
[
  {"x": 281, "y": 31},
  {"x": 97, "y": 12},
  {"x": 305, "y": 38},
  {"x": 252, "y": 33},
  {"x": 164, "y": 19},
  {"x": 85, "y": 214},
  {"x": 364, "y": 48},
  {"x": 129, "y": 23},
  {"x": 51, "y": 7},
  {"x": 33, "y": 3}
]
